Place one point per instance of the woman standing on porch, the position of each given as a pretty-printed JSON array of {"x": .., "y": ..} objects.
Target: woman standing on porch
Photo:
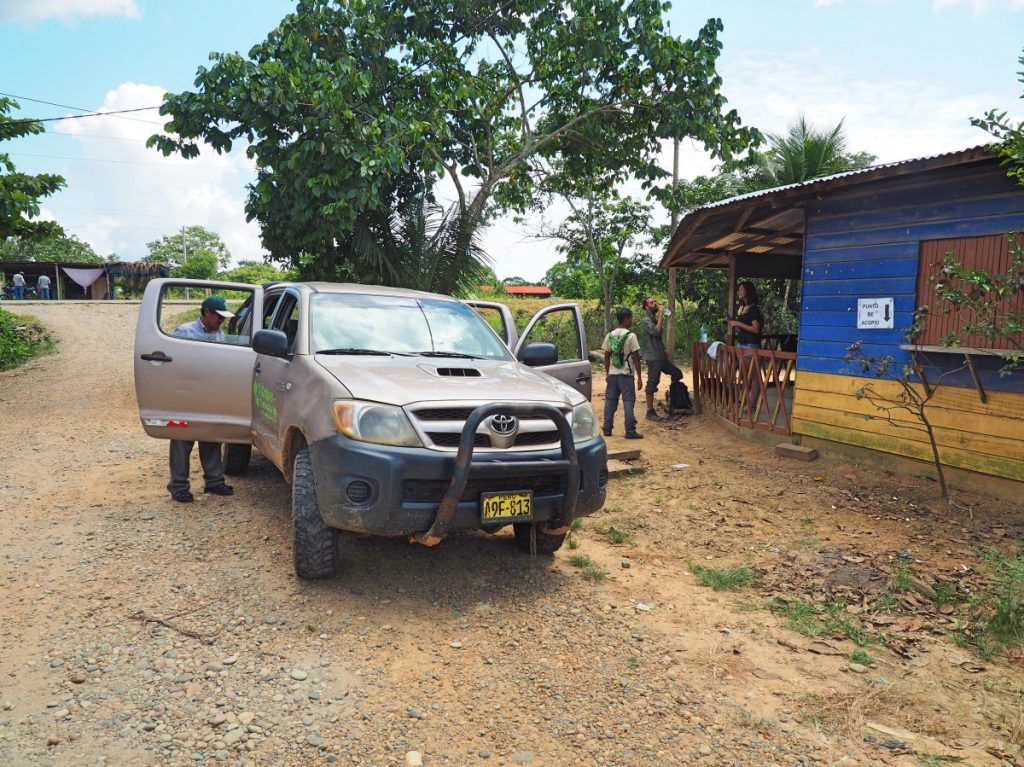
[
  {"x": 749, "y": 322},
  {"x": 747, "y": 329}
]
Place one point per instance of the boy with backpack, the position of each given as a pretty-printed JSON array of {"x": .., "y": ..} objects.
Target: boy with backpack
[{"x": 621, "y": 361}]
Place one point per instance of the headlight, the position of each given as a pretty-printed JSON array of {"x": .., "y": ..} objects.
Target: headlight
[
  {"x": 584, "y": 423},
  {"x": 371, "y": 422}
]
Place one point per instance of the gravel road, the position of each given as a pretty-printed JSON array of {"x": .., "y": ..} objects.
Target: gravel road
[{"x": 138, "y": 631}]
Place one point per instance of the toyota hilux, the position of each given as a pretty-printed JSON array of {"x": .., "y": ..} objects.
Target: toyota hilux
[{"x": 390, "y": 412}]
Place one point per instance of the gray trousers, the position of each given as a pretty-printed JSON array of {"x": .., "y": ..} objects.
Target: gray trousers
[
  {"x": 624, "y": 385},
  {"x": 209, "y": 456}
]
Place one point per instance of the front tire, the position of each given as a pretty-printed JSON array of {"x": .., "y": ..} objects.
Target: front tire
[
  {"x": 546, "y": 543},
  {"x": 314, "y": 544},
  {"x": 236, "y": 458}
]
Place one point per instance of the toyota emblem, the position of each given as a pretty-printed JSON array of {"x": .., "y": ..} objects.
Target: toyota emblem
[{"x": 504, "y": 425}]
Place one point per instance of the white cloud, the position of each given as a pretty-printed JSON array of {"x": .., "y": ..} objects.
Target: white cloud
[
  {"x": 28, "y": 11},
  {"x": 825, "y": 3},
  {"x": 121, "y": 195}
]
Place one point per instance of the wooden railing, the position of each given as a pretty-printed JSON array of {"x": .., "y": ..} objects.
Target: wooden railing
[{"x": 750, "y": 387}]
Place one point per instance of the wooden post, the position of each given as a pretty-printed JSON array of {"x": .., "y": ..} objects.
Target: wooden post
[
  {"x": 671, "y": 345},
  {"x": 732, "y": 296}
]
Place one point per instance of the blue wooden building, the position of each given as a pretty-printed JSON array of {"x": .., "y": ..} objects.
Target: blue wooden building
[{"x": 865, "y": 245}]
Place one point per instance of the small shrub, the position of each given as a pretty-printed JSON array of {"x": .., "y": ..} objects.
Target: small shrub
[
  {"x": 21, "y": 339},
  {"x": 902, "y": 579},
  {"x": 723, "y": 579}
]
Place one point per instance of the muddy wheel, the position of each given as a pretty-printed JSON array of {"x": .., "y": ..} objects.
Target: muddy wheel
[
  {"x": 314, "y": 544},
  {"x": 546, "y": 543},
  {"x": 236, "y": 458}
]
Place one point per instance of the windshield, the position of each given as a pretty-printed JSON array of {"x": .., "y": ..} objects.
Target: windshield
[{"x": 400, "y": 324}]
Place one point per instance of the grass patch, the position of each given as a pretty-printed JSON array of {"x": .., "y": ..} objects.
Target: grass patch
[
  {"x": 947, "y": 593},
  {"x": 902, "y": 579},
  {"x": 1003, "y": 601},
  {"x": 724, "y": 578},
  {"x": 815, "y": 620},
  {"x": 634, "y": 661},
  {"x": 587, "y": 567},
  {"x": 861, "y": 657},
  {"x": 616, "y": 537},
  {"x": 575, "y": 526},
  {"x": 801, "y": 616},
  {"x": 21, "y": 339}
]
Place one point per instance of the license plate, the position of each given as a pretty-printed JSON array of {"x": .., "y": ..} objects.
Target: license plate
[{"x": 518, "y": 505}]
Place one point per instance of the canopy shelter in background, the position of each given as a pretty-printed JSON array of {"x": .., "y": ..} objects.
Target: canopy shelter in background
[{"x": 95, "y": 282}]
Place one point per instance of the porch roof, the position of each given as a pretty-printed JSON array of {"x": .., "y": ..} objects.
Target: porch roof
[{"x": 763, "y": 231}]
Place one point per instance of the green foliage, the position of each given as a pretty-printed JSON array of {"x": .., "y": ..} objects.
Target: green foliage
[
  {"x": 194, "y": 242},
  {"x": 21, "y": 339},
  {"x": 723, "y": 579},
  {"x": 19, "y": 192},
  {"x": 56, "y": 248},
  {"x": 902, "y": 578},
  {"x": 256, "y": 273},
  {"x": 803, "y": 153},
  {"x": 352, "y": 111},
  {"x": 1009, "y": 135},
  {"x": 587, "y": 567},
  {"x": 1002, "y": 602},
  {"x": 198, "y": 266}
]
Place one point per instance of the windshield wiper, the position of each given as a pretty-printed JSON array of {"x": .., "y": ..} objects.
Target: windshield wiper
[
  {"x": 353, "y": 350},
  {"x": 456, "y": 355}
]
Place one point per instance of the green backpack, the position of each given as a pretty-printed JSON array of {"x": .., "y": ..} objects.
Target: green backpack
[{"x": 617, "y": 343}]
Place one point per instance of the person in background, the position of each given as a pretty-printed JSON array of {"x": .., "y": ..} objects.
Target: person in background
[
  {"x": 621, "y": 361},
  {"x": 749, "y": 322},
  {"x": 653, "y": 350},
  {"x": 747, "y": 328},
  {"x": 43, "y": 286},
  {"x": 212, "y": 313},
  {"x": 19, "y": 286}
]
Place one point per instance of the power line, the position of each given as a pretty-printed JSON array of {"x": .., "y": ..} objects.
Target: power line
[
  {"x": 128, "y": 162},
  {"x": 114, "y": 113},
  {"x": 77, "y": 109}
]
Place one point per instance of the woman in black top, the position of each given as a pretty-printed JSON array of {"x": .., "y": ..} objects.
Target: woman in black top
[
  {"x": 748, "y": 323},
  {"x": 748, "y": 326}
]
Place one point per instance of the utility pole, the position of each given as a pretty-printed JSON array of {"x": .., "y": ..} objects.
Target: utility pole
[
  {"x": 184, "y": 254},
  {"x": 672, "y": 270}
]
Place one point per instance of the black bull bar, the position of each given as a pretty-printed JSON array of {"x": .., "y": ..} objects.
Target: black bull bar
[{"x": 568, "y": 466}]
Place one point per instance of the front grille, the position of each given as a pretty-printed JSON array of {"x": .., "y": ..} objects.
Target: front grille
[
  {"x": 441, "y": 426},
  {"x": 459, "y": 414},
  {"x": 523, "y": 439},
  {"x": 433, "y": 490}
]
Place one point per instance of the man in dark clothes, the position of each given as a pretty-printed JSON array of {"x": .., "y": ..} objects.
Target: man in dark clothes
[{"x": 654, "y": 354}]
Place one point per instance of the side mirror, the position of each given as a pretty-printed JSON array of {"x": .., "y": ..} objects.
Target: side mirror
[
  {"x": 273, "y": 343},
  {"x": 538, "y": 354}
]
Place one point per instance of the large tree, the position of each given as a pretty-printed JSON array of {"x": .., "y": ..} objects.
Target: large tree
[
  {"x": 354, "y": 111},
  {"x": 191, "y": 242},
  {"x": 54, "y": 249},
  {"x": 20, "y": 192},
  {"x": 804, "y": 153}
]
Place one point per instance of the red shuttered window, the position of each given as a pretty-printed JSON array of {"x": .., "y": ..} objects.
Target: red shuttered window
[{"x": 991, "y": 253}]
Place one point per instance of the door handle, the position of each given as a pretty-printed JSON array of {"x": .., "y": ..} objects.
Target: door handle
[
  {"x": 156, "y": 357},
  {"x": 256, "y": 369},
  {"x": 582, "y": 378}
]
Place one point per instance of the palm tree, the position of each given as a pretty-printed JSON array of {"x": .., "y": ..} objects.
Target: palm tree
[
  {"x": 422, "y": 246},
  {"x": 802, "y": 154}
]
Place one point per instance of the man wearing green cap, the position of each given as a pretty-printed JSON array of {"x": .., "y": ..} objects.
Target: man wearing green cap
[{"x": 212, "y": 313}]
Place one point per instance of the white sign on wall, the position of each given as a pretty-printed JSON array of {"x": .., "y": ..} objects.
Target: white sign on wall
[{"x": 874, "y": 313}]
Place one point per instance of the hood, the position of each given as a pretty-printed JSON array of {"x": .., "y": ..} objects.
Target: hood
[{"x": 404, "y": 380}]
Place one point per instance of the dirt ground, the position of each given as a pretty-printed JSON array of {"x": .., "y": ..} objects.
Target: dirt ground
[{"x": 138, "y": 631}]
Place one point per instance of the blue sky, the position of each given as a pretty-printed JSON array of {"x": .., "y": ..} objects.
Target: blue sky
[{"x": 906, "y": 75}]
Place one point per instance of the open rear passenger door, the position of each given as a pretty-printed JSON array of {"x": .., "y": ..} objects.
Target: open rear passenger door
[{"x": 562, "y": 326}]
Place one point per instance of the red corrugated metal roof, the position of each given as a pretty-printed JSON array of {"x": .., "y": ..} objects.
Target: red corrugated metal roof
[{"x": 528, "y": 290}]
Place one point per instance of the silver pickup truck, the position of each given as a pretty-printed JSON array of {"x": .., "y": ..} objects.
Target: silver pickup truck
[{"x": 390, "y": 412}]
